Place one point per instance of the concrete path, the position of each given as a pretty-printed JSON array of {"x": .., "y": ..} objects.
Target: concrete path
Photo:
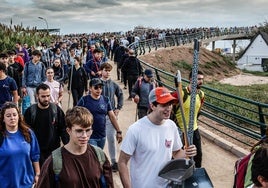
[{"x": 218, "y": 162}]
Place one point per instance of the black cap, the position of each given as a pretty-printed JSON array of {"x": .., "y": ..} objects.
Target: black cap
[
  {"x": 95, "y": 82},
  {"x": 148, "y": 73}
]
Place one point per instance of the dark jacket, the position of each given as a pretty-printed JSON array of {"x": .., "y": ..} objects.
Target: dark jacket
[{"x": 132, "y": 66}]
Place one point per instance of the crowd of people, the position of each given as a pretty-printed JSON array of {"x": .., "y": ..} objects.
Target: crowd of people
[{"x": 30, "y": 142}]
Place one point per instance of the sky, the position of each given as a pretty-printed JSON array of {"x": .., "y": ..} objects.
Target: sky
[{"x": 87, "y": 16}]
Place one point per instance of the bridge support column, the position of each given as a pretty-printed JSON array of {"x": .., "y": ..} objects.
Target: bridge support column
[
  {"x": 234, "y": 46},
  {"x": 213, "y": 45}
]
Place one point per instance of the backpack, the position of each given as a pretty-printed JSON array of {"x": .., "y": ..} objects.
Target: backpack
[
  {"x": 240, "y": 171},
  {"x": 176, "y": 107},
  {"x": 57, "y": 163},
  {"x": 33, "y": 109},
  {"x": 242, "y": 167}
]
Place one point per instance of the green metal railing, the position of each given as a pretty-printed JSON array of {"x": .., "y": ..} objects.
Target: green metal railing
[{"x": 241, "y": 115}]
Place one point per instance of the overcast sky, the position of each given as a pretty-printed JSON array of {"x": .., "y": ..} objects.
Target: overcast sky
[{"x": 87, "y": 16}]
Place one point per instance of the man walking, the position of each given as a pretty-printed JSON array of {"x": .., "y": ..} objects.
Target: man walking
[
  {"x": 33, "y": 75},
  {"x": 141, "y": 90},
  {"x": 133, "y": 68},
  {"x": 151, "y": 142},
  {"x": 99, "y": 106},
  {"x": 111, "y": 90},
  {"x": 199, "y": 101},
  {"x": 47, "y": 121}
]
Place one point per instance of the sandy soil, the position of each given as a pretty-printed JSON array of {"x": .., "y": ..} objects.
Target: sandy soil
[{"x": 245, "y": 79}]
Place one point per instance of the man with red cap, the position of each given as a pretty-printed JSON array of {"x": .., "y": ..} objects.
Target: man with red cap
[{"x": 151, "y": 142}]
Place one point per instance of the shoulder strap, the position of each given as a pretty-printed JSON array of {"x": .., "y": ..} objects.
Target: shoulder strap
[
  {"x": 1, "y": 139},
  {"x": 54, "y": 111},
  {"x": 33, "y": 109},
  {"x": 100, "y": 155},
  {"x": 185, "y": 94},
  {"x": 57, "y": 162}
]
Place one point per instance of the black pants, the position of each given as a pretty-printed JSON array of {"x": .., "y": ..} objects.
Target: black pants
[
  {"x": 131, "y": 81},
  {"x": 142, "y": 112},
  {"x": 77, "y": 95},
  {"x": 197, "y": 143}
]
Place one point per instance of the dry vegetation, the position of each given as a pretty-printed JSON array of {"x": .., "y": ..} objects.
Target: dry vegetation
[{"x": 214, "y": 66}]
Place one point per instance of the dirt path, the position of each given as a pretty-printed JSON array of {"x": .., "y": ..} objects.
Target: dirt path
[
  {"x": 217, "y": 162},
  {"x": 245, "y": 79}
]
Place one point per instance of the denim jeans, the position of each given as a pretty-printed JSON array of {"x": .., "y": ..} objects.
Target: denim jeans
[
  {"x": 31, "y": 92},
  {"x": 100, "y": 142},
  {"x": 110, "y": 134}
]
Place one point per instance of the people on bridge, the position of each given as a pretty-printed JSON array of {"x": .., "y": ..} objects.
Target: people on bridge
[
  {"x": 47, "y": 121},
  {"x": 80, "y": 165},
  {"x": 100, "y": 106},
  {"x": 151, "y": 142},
  {"x": 140, "y": 92},
  {"x": 19, "y": 150},
  {"x": 186, "y": 93},
  {"x": 111, "y": 90}
]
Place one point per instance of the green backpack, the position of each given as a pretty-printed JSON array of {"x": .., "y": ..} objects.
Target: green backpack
[{"x": 57, "y": 163}]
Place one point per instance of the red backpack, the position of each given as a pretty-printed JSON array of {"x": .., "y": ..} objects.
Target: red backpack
[{"x": 240, "y": 171}]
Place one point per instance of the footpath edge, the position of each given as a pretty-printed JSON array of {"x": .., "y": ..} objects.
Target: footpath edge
[{"x": 234, "y": 149}]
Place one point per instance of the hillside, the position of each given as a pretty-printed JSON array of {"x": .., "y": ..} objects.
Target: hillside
[{"x": 171, "y": 59}]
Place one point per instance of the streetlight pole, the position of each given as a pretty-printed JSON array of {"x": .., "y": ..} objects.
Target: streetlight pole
[{"x": 41, "y": 18}]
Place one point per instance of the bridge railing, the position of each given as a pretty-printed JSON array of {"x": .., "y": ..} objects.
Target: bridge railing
[
  {"x": 241, "y": 115},
  {"x": 146, "y": 46}
]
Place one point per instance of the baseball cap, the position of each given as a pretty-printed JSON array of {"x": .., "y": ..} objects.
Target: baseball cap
[
  {"x": 95, "y": 82},
  {"x": 161, "y": 95},
  {"x": 148, "y": 73}
]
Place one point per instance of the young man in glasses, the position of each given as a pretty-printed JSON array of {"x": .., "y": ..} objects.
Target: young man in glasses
[
  {"x": 80, "y": 164},
  {"x": 99, "y": 106}
]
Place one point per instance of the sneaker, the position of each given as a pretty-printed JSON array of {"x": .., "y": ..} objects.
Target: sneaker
[
  {"x": 115, "y": 167},
  {"x": 125, "y": 87}
]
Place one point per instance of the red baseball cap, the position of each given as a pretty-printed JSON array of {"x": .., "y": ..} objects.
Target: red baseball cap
[{"x": 161, "y": 95}]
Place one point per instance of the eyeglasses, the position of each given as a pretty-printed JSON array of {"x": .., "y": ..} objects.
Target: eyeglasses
[
  {"x": 80, "y": 132},
  {"x": 97, "y": 87}
]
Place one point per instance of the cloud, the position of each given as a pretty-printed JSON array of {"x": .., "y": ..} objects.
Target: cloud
[{"x": 76, "y": 16}]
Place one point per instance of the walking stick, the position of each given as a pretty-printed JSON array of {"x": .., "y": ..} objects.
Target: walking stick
[
  {"x": 71, "y": 79},
  {"x": 136, "y": 115},
  {"x": 193, "y": 90},
  {"x": 179, "y": 93}
]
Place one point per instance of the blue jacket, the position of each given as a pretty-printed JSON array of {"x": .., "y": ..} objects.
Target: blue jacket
[
  {"x": 111, "y": 89},
  {"x": 34, "y": 74}
]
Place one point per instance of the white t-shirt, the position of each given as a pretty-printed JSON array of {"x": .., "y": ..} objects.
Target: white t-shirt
[
  {"x": 55, "y": 88},
  {"x": 150, "y": 147}
]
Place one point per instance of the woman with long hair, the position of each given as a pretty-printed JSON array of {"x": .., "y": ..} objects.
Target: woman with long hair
[
  {"x": 56, "y": 88},
  {"x": 19, "y": 150},
  {"x": 78, "y": 78}
]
